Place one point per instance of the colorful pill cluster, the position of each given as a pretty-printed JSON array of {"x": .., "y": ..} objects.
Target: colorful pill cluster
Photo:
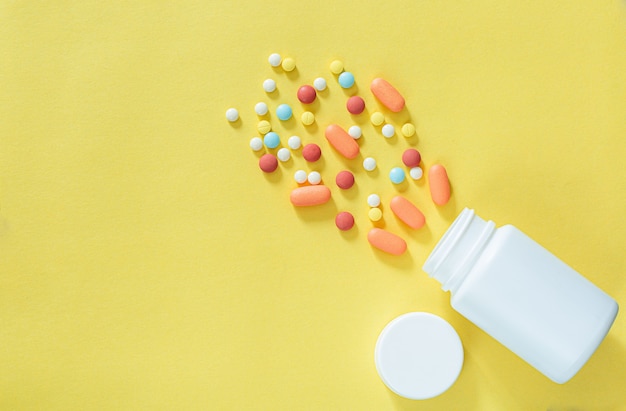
[{"x": 310, "y": 190}]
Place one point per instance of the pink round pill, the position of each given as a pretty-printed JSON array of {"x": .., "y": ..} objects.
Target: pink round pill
[
  {"x": 344, "y": 221},
  {"x": 355, "y": 105},
  {"x": 311, "y": 152},
  {"x": 344, "y": 179},
  {"x": 268, "y": 163},
  {"x": 411, "y": 157},
  {"x": 306, "y": 94}
]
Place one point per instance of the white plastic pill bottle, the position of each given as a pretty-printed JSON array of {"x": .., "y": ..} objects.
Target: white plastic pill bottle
[{"x": 521, "y": 294}]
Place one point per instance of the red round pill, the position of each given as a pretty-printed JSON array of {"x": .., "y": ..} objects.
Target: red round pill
[
  {"x": 344, "y": 179},
  {"x": 355, "y": 105},
  {"x": 306, "y": 94},
  {"x": 311, "y": 152},
  {"x": 268, "y": 163},
  {"x": 411, "y": 157},
  {"x": 344, "y": 221}
]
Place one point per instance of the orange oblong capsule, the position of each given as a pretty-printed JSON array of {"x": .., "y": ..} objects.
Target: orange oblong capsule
[
  {"x": 342, "y": 141},
  {"x": 407, "y": 212},
  {"x": 439, "y": 184},
  {"x": 386, "y": 241},
  {"x": 309, "y": 195},
  {"x": 387, "y": 94}
]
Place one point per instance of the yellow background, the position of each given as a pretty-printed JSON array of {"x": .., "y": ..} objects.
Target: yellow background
[{"x": 147, "y": 263}]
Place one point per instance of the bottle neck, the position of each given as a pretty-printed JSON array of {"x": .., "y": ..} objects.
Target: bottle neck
[{"x": 459, "y": 249}]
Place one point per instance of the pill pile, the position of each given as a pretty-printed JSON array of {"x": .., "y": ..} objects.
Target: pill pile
[{"x": 311, "y": 189}]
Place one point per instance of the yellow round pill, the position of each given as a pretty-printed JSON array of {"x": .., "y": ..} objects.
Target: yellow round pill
[
  {"x": 289, "y": 64},
  {"x": 307, "y": 118},
  {"x": 264, "y": 127},
  {"x": 408, "y": 130},
  {"x": 336, "y": 67},
  {"x": 377, "y": 118},
  {"x": 375, "y": 214}
]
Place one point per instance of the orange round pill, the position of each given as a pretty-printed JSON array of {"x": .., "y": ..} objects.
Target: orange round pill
[
  {"x": 311, "y": 152},
  {"x": 268, "y": 163},
  {"x": 439, "y": 184},
  {"x": 355, "y": 105},
  {"x": 344, "y": 179},
  {"x": 344, "y": 221}
]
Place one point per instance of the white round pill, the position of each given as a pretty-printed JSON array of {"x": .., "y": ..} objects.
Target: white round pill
[
  {"x": 261, "y": 108},
  {"x": 300, "y": 176},
  {"x": 314, "y": 177},
  {"x": 269, "y": 85},
  {"x": 274, "y": 59},
  {"x": 355, "y": 132},
  {"x": 373, "y": 200},
  {"x": 369, "y": 164},
  {"x": 232, "y": 115},
  {"x": 283, "y": 154},
  {"x": 319, "y": 84},
  {"x": 294, "y": 142},
  {"x": 416, "y": 173},
  {"x": 256, "y": 143},
  {"x": 388, "y": 130}
]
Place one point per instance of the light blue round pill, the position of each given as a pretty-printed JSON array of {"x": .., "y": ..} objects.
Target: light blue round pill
[
  {"x": 271, "y": 140},
  {"x": 396, "y": 175},
  {"x": 346, "y": 79},
  {"x": 283, "y": 112}
]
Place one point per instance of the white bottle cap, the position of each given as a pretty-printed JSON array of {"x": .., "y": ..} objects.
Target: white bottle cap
[{"x": 418, "y": 355}]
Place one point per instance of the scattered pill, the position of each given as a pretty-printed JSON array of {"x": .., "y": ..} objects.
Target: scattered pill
[
  {"x": 396, "y": 175},
  {"x": 408, "y": 130},
  {"x": 289, "y": 64},
  {"x": 344, "y": 221},
  {"x": 283, "y": 154},
  {"x": 355, "y": 105},
  {"x": 341, "y": 141},
  {"x": 311, "y": 152},
  {"x": 319, "y": 84},
  {"x": 284, "y": 112},
  {"x": 375, "y": 214},
  {"x": 256, "y": 143},
  {"x": 232, "y": 115},
  {"x": 307, "y": 118},
  {"x": 336, "y": 66},
  {"x": 388, "y": 130},
  {"x": 369, "y": 164},
  {"x": 416, "y": 173},
  {"x": 373, "y": 200},
  {"x": 271, "y": 140},
  {"x": 377, "y": 118},
  {"x": 261, "y": 108},
  {"x": 344, "y": 179},
  {"x": 314, "y": 177},
  {"x": 411, "y": 157},
  {"x": 269, "y": 85},
  {"x": 355, "y": 132},
  {"x": 300, "y": 176},
  {"x": 439, "y": 184},
  {"x": 387, "y": 94},
  {"x": 346, "y": 79},
  {"x": 294, "y": 142},
  {"x": 386, "y": 241},
  {"x": 264, "y": 127},
  {"x": 268, "y": 163},
  {"x": 306, "y": 94},
  {"x": 274, "y": 59},
  {"x": 309, "y": 195},
  {"x": 407, "y": 212}
]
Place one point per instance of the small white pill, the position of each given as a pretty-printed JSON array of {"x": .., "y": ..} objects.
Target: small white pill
[
  {"x": 373, "y": 200},
  {"x": 261, "y": 108},
  {"x": 283, "y": 154},
  {"x": 269, "y": 85},
  {"x": 294, "y": 142},
  {"x": 369, "y": 164},
  {"x": 416, "y": 173},
  {"x": 256, "y": 143},
  {"x": 355, "y": 132},
  {"x": 274, "y": 59},
  {"x": 232, "y": 115},
  {"x": 314, "y": 177},
  {"x": 300, "y": 176},
  {"x": 388, "y": 130},
  {"x": 319, "y": 84}
]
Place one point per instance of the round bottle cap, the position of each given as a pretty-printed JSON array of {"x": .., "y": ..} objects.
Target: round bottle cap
[{"x": 418, "y": 355}]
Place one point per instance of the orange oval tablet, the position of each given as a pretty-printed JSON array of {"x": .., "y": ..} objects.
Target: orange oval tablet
[
  {"x": 407, "y": 212},
  {"x": 309, "y": 195},
  {"x": 439, "y": 184},
  {"x": 386, "y": 241},
  {"x": 387, "y": 94},
  {"x": 342, "y": 141}
]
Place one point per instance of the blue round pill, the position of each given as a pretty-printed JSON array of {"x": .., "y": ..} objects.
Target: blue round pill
[
  {"x": 271, "y": 140},
  {"x": 346, "y": 79},
  {"x": 283, "y": 112},
  {"x": 396, "y": 175}
]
